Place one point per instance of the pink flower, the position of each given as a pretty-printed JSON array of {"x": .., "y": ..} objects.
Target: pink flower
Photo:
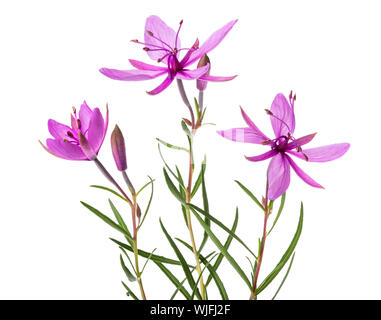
[
  {"x": 283, "y": 122},
  {"x": 162, "y": 44},
  {"x": 83, "y": 139}
]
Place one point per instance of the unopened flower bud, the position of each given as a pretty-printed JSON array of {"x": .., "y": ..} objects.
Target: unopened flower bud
[
  {"x": 201, "y": 84},
  {"x": 138, "y": 212},
  {"x": 85, "y": 146},
  {"x": 118, "y": 149}
]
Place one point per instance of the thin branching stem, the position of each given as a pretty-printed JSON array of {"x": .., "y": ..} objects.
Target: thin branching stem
[
  {"x": 188, "y": 191},
  {"x": 262, "y": 244},
  {"x": 185, "y": 100},
  {"x": 134, "y": 207}
]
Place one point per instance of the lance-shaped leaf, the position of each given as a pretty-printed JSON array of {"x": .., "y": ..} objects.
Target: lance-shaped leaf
[
  {"x": 285, "y": 256},
  {"x": 129, "y": 292},
  {"x": 146, "y": 254},
  {"x": 171, "y": 171},
  {"x": 171, "y": 146},
  {"x": 179, "y": 255},
  {"x": 110, "y": 190},
  {"x": 197, "y": 184},
  {"x": 285, "y": 277},
  {"x": 223, "y": 250},
  {"x": 148, "y": 259},
  {"x": 183, "y": 195},
  {"x": 212, "y": 270},
  {"x": 206, "y": 264},
  {"x": 205, "y": 203},
  {"x": 250, "y": 194},
  {"x": 128, "y": 273},
  {"x": 106, "y": 219},
  {"x": 186, "y": 129},
  {"x": 121, "y": 221},
  {"x": 281, "y": 206},
  {"x": 192, "y": 270},
  {"x": 149, "y": 201},
  {"x": 222, "y": 226},
  {"x": 179, "y": 285},
  {"x": 146, "y": 185},
  {"x": 226, "y": 246},
  {"x": 173, "y": 188}
]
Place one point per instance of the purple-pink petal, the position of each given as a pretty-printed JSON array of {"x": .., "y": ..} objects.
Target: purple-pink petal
[
  {"x": 163, "y": 37},
  {"x": 131, "y": 75},
  {"x": 301, "y": 141},
  {"x": 208, "y": 77},
  {"x": 212, "y": 42},
  {"x": 323, "y": 154},
  {"x": 278, "y": 176},
  {"x": 282, "y": 118},
  {"x": 65, "y": 150},
  {"x": 263, "y": 156},
  {"x": 302, "y": 175},
  {"x": 192, "y": 74},
  {"x": 145, "y": 66},
  {"x": 57, "y": 130},
  {"x": 96, "y": 131},
  {"x": 261, "y": 136},
  {"x": 162, "y": 86},
  {"x": 247, "y": 135},
  {"x": 85, "y": 114}
]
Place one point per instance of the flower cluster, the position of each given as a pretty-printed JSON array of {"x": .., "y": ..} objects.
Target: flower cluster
[{"x": 83, "y": 138}]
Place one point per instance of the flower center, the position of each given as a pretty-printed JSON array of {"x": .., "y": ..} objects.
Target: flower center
[{"x": 280, "y": 144}]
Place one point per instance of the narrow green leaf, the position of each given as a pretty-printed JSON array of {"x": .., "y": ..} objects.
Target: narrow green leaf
[
  {"x": 196, "y": 184},
  {"x": 129, "y": 292},
  {"x": 205, "y": 203},
  {"x": 120, "y": 221},
  {"x": 129, "y": 260},
  {"x": 146, "y": 254},
  {"x": 183, "y": 195},
  {"x": 212, "y": 270},
  {"x": 197, "y": 108},
  {"x": 148, "y": 259},
  {"x": 192, "y": 270},
  {"x": 186, "y": 129},
  {"x": 128, "y": 273},
  {"x": 109, "y": 190},
  {"x": 222, "y": 226},
  {"x": 179, "y": 285},
  {"x": 179, "y": 255},
  {"x": 171, "y": 146},
  {"x": 206, "y": 264},
  {"x": 203, "y": 114},
  {"x": 146, "y": 185},
  {"x": 282, "y": 201},
  {"x": 250, "y": 194},
  {"x": 172, "y": 188},
  {"x": 285, "y": 276},
  {"x": 168, "y": 168},
  {"x": 226, "y": 246},
  {"x": 219, "y": 245},
  {"x": 285, "y": 256},
  {"x": 149, "y": 203},
  {"x": 106, "y": 219}
]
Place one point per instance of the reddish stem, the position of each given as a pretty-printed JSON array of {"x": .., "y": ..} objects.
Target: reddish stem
[{"x": 264, "y": 235}]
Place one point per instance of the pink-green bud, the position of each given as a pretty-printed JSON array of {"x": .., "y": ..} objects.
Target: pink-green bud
[
  {"x": 201, "y": 84},
  {"x": 118, "y": 149}
]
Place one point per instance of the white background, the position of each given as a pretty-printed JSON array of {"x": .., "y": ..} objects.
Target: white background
[{"x": 329, "y": 52}]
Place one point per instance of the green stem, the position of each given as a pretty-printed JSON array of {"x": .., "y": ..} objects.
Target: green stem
[
  {"x": 135, "y": 247},
  {"x": 262, "y": 248},
  {"x": 189, "y": 222}
]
